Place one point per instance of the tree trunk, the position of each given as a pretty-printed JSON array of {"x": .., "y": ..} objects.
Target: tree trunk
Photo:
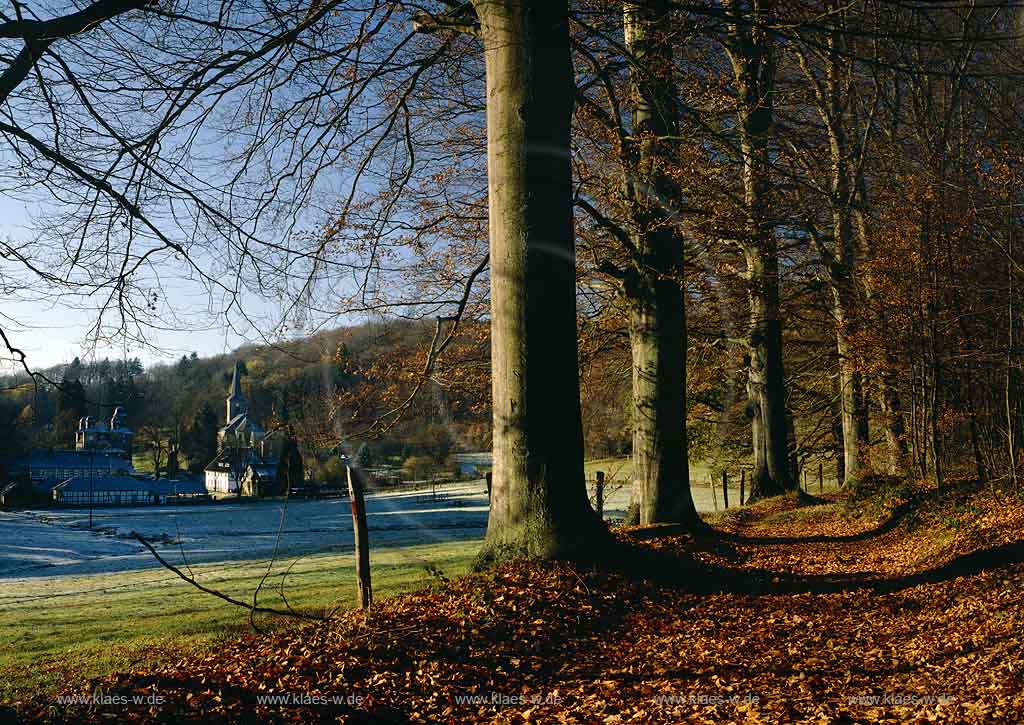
[
  {"x": 889, "y": 402},
  {"x": 848, "y": 400},
  {"x": 892, "y": 419},
  {"x": 653, "y": 291},
  {"x": 843, "y": 299},
  {"x": 769, "y": 427},
  {"x": 751, "y": 54},
  {"x": 539, "y": 506},
  {"x": 837, "y": 433},
  {"x": 660, "y": 460}
]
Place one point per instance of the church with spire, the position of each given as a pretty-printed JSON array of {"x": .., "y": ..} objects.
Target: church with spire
[{"x": 245, "y": 464}]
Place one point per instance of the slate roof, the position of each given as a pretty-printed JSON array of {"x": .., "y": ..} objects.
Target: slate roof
[
  {"x": 189, "y": 487},
  {"x": 226, "y": 460},
  {"x": 105, "y": 483},
  {"x": 41, "y": 460},
  {"x": 242, "y": 423},
  {"x": 163, "y": 487},
  {"x": 236, "y": 382}
]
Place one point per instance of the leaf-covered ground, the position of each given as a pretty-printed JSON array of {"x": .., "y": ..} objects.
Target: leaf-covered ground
[{"x": 794, "y": 612}]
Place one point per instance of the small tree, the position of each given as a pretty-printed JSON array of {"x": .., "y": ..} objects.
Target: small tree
[
  {"x": 290, "y": 469},
  {"x": 364, "y": 458},
  {"x": 332, "y": 473},
  {"x": 418, "y": 467}
]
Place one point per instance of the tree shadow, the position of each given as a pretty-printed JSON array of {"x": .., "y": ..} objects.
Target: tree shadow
[
  {"x": 971, "y": 564},
  {"x": 686, "y": 571},
  {"x": 894, "y": 519}
]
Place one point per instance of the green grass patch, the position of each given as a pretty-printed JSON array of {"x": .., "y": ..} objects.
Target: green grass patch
[
  {"x": 59, "y": 629},
  {"x": 614, "y": 468}
]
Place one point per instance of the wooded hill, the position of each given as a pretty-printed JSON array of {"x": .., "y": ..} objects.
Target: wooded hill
[{"x": 331, "y": 388}]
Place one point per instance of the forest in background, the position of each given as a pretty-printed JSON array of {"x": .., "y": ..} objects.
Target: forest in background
[
  {"x": 326, "y": 390},
  {"x": 764, "y": 233}
]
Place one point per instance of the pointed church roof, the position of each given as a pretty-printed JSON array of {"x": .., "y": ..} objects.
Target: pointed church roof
[{"x": 236, "y": 382}]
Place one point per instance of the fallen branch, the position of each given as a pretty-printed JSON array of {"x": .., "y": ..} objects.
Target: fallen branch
[{"x": 220, "y": 595}]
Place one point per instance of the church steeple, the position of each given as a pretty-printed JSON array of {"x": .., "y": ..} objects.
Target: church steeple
[{"x": 236, "y": 402}]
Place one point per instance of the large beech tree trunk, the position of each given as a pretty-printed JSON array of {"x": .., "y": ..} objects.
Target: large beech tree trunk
[
  {"x": 653, "y": 287},
  {"x": 539, "y": 505},
  {"x": 750, "y": 51},
  {"x": 840, "y": 268}
]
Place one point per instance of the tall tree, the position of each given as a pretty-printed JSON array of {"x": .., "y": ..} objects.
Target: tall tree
[
  {"x": 750, "y": 48},
  {"x": 200, "y": 441},
  {"x": 830, "y": 79},
  {"x": 539, "y": 504},
  {"x": 653, "y": 284},
  {"x": 72, "y": 404}
]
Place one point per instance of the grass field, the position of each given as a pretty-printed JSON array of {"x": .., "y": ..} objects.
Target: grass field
[
  {"x": 55, "y": 627},
  {"x": 621, "y": 468}
]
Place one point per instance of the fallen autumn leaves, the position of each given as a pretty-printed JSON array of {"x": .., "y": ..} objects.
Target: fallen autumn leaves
[{"x": 795, "y": 614}]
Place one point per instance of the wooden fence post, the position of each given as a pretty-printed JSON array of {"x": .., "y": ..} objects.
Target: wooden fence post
[
  {"x": 743, "y": 483},
  {"x": 821, "y": 477},
  {"x": 711, "y": 485},
  {"x": 599, "y": 494},
  {"x": 355, "y": 494},
  {"x": 725, "y": 488}
]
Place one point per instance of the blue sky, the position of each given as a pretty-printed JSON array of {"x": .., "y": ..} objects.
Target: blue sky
[{"x": 51, "y": 331}]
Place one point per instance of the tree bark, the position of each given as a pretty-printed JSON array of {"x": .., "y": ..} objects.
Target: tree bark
[
  {"x": 848, "y": 385},
  {"x": 837, "y": 433},
  {"x": 840, "y": 261},
  {"x": 843, "y": 311},
  {"x": 539, "y": 506},
  {"x": 751, "y": 54},
  {"x": 652, "y": 288}
]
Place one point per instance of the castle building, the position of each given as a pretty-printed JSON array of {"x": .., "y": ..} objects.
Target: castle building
[
  {"x": 115, "y": 438},
  {"x": 245, "y": 463},
  {"x": 101, "y": 451}
]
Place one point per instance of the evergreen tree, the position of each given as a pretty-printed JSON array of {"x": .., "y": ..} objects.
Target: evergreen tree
[
  {"x": 71, "y": 405},
  {"x": 290, "y": 469},
  {"x": 199, "y": 443},
  {"x": 364, "y": 458}
]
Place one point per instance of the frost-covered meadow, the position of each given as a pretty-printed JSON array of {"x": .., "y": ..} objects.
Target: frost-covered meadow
[{"x": 58, "y": 542}]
